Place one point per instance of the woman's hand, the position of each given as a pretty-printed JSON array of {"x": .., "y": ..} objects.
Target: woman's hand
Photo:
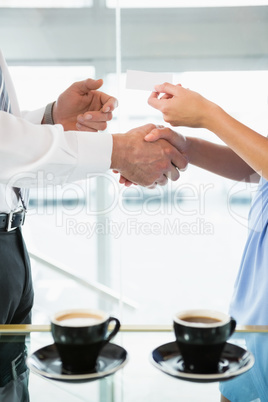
[{"x": 180, "y": 106}]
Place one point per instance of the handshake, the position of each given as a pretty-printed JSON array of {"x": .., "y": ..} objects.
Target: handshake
[{"x": 148, "y": 155}]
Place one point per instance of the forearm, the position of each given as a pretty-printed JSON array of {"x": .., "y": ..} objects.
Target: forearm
[
  {"x": 250, "y": 146},
  {"x": 183, "y": 107},
  {"x": 219, "y": 159}
]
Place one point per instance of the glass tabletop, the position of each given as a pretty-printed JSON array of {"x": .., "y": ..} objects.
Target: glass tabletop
[{"x": 141, "y": 376}]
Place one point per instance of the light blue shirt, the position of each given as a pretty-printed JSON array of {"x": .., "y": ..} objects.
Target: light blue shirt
[
  {"x": 251, "y": 386},
  {"x": 249, "y": 305}
]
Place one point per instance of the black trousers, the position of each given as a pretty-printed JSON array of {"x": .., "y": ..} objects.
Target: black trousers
[
  {"x": 16, "y": 301},
  {"x": 16, "y": 290}
]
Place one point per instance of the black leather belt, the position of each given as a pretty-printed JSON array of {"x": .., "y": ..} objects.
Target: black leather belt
[{"x": 12, "y": 220}]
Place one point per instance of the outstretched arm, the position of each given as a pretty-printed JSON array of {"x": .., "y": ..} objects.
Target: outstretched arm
[
  {"x": 218, "y": 159},
  {"x": 182, "y": 107}
]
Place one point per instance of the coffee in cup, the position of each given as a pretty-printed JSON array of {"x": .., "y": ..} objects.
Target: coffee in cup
[
  {"x": 201, "y": 336},
  {"x": 79, "y": 336}
]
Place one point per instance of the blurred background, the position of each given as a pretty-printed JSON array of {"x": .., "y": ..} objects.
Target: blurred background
[{"x": 140, "y": 254}]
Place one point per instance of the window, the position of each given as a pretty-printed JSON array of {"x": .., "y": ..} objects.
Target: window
[
  {"x": 140, "y": 254},
  {"x": 182, "y": 3},
  {"x": 46, "y": 3}
]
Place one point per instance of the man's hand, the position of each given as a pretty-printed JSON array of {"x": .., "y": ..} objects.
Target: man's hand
[
  {"x": 81, "y": 107},
  {"x": 146, "y": 163}
]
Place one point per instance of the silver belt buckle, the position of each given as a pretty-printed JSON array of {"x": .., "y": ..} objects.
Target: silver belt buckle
[{"x": 10, "y": 220}]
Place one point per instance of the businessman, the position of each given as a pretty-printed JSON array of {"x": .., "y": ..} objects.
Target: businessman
[{"x": 62, "y": 141}]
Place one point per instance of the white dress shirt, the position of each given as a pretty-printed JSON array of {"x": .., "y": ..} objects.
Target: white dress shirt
[{"x": 30, "y": 150}]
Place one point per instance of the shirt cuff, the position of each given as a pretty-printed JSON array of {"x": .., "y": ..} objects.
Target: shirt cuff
[
  {"x": 94, "y": 153},
  {"x": 35, "y": 116}
]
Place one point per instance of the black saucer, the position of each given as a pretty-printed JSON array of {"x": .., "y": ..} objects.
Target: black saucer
[
  {"x": 234, "y": 361},
  {"x": 46, "y": 362}
]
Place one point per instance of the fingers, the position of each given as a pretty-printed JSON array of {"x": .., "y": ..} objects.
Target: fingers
[
  {"x": 166, "y": 96},
  {"x": 154, "y": 101},
  {"x": 123, "y": 180},
  {"x": 176, "y": 140},
  {"x": 148, "y": 127},
  {"x": 126, "y": 182},
  {"x": 166, "y": 88},
  {"x": 173, "y": 174},
  {"x": 163, "y": 180},
  {"x": 152, "y": 186},
  {"x": 180, "y": 163},
  {"x": 93, "y": 121},
  {"x": 109, "y": 105},
  {"x": 169, "y": 90},
  {"x": 178, "y": 159},
  {"x": 96, "y": 116}
]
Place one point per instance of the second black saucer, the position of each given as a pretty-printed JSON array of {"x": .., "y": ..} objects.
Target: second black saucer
[{"x": 234, "y": 361}]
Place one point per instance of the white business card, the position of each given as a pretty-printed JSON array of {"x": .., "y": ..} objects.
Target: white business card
[{"x": 146, "y": 81}]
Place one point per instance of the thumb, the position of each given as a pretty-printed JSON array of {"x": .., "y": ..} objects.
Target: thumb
[
  {"x": 157, "y": 133},
  {"x": 175, "y": 139},
  {"x": 91, "y": 84}
]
